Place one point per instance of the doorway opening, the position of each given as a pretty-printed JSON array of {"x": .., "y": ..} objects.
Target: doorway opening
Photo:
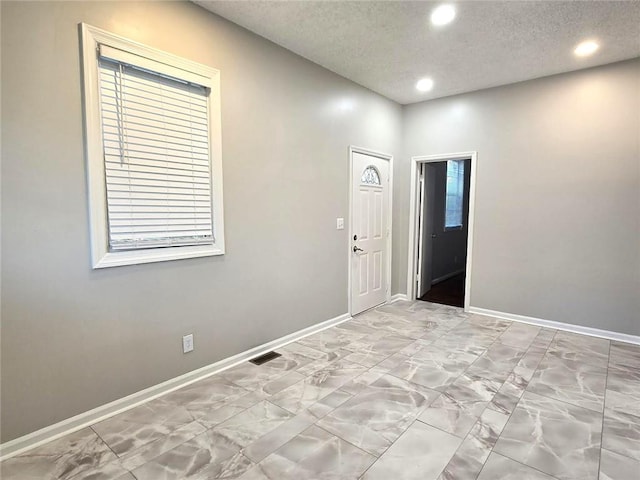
[{"x": 441, "y": 228}]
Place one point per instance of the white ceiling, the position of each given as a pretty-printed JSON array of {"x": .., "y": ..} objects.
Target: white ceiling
[{"x": 389, "y": 46}]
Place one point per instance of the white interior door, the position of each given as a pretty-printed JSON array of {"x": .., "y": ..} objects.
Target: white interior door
[
  {"x": 427, "y": 230},
  {"x": 369, "y": 231}
]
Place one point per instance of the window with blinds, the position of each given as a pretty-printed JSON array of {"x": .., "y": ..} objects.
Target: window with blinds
[
  {"x": 152, "y": 124},
  {"x": 455, "y": 194},
  {"x": 156, "y": 154}
]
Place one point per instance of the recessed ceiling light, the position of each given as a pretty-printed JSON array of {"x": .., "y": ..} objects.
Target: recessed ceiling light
[
  {"x": 424, "y": 85},
  {"x": 443, "y": 14},
  {"x": 586, "y": 48}
]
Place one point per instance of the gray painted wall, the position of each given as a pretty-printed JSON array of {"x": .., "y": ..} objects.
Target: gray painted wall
[
  {"x": 557, "y": 224},
  {"x": 74, "y": 338}
]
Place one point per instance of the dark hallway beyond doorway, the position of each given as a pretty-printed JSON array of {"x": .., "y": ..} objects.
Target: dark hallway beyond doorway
[{"x": 447, "y": 292}]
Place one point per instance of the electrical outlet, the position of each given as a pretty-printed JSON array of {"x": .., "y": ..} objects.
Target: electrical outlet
[
  {"x": 187, "y": 343},
  {"x": 339, "y": 223}
]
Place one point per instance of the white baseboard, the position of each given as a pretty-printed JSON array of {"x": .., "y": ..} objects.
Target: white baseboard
[
  {"x": 568, "y": 327},
  {"x": 57, "y": 430},
  {"x": 397, "y": 297}
]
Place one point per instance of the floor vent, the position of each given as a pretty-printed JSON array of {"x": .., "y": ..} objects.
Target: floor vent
[{"x": 265, "y": 358}]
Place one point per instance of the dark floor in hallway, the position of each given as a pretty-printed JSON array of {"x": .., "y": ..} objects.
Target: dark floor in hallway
[{"x": 447, "y": 292}]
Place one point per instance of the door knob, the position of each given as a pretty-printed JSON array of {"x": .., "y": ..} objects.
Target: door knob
[
  {"x": 357, "y": 249},
  {"x": 433, "y": 235}
]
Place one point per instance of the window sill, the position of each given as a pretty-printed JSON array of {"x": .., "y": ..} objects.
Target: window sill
[{"x": 135, "y": 257}]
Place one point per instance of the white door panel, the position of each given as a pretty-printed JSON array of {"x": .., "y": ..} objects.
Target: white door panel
[
  {"x": 363, "y": 265},
  {"x": 370, "y": 239},
  {"x": 377, "y": 270}
]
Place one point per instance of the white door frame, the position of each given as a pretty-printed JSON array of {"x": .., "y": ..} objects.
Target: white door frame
[
  {"x": 384, "y": 156},
  {"x": 413, "y": 219}
]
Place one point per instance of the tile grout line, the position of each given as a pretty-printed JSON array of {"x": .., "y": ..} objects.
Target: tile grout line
[
  {"x": 529, "y": 466},
  {"x": 211, "y": 428},
  {"x": 315, "y": 423},
  {"x": 442, "y": 430},
  {"x": 557, "y": 399},
  {"x": 328, "y": 433},
  {"x": 390, "y": 445},
  {"x": 306, "y": 410},
  {"x": 133, "y": 475},
  {"x": 487, "y": 407},
  {"x": 622, "y": 455},
  {"x": 117, "y": 460},
  {"x": 104, "y": 441},
  {"x": 604, "y": 409},
  {"x": 206, "y": 429},
  {"x": 488, "y": 403},
  {"x": 417, "y": 419},
  {"x": 514, "y": 407},
  {"x": 546, "y": 352}
]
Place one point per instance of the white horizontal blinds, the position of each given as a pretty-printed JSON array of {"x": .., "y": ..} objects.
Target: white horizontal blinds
[
  {"x": 455, "y": 193},
  {"x": 156, "y": 154}
]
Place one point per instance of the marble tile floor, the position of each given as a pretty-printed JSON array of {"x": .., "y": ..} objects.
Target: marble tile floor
[{"x": 410, "y": 390}]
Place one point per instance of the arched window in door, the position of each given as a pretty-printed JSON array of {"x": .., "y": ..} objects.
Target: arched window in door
[{"x": 370, "y": 176}]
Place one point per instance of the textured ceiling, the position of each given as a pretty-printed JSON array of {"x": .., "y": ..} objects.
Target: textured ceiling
[{"x": 388, "y": 46}]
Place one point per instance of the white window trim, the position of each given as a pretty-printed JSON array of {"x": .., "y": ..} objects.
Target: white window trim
[{"x": 101, "y": 257}]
